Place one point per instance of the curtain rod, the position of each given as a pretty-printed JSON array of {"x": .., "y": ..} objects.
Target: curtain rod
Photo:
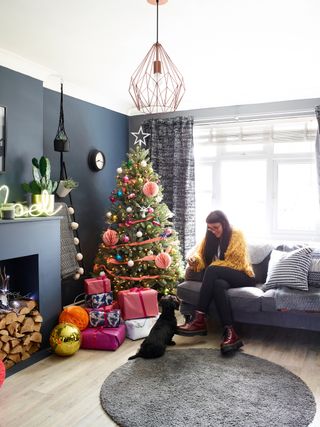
[{"x": 252, "y": 117}]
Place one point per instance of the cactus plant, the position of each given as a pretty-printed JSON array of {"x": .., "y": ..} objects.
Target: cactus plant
[{"x": 41, "y": 171}]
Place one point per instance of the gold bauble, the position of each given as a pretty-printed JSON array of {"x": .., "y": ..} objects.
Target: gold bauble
[
  {"x": 114, "y": 218},
  {"x": 65, "y": 339}
]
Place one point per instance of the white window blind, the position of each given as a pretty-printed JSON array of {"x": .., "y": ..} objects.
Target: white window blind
[{"x": 261, "y": 173}]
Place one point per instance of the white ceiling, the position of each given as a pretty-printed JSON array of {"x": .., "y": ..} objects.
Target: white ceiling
[{"x": 230, "y": 52}]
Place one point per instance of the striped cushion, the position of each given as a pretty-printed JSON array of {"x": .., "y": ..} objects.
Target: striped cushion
[
  {"x": 290, "y": 270},
  {"x": 314, "y": 270}
]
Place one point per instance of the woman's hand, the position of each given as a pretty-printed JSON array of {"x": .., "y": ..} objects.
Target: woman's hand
[{"x": 192, "y": 261}]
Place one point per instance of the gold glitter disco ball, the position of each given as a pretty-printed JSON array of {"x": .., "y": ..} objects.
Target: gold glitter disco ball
[{"x": 65, "y": 339}]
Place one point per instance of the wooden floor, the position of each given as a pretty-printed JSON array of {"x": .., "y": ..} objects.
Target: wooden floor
[{"x": 64, "y": 392}]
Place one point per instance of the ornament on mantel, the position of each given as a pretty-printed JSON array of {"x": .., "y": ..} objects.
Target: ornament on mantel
[{"x": 4, "y": 289}]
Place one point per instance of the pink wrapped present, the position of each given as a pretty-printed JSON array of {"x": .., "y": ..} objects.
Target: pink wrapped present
[
  {"x": 138, "y": 302},
  {"x": 97, "y": 285},
  {"x": 103, "y": 338}
]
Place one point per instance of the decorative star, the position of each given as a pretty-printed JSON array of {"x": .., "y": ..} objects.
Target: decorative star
[{"x": 140, "y": 137}]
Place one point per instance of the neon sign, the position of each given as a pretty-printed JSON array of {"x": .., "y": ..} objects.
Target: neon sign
[{"x": 37, "y": 209}]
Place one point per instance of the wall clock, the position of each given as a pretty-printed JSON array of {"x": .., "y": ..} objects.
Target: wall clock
[{"x": 96, "y": 160}]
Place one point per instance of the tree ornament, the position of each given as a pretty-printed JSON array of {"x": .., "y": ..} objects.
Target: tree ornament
[
  {"x": 102, "y": 273},
  {"x": 130, "y": 263},
  {"x": 109, "y": 214},
  {"x": 125, "y": 239},
  {"x": 129, "y": 163},
  {"x": 139, "y": 233},
  {"x": 118, "y": 257},
  {"x": 150, "y": 210},
  {"x": 114, "y": 218},
  {"x": 119, "y": 193},
  {"x": 71, "y": 210},
  {"x": 76, "y": 315},
  {"x": 131, "y": 196},
  {"x": 110, "y": 237},
  {"x": 65, "y": 339},
  {"x": 149, "y": 228},
  {"x": 143, "y": 163},
  {"x": 129, "y": 209},
  {"x": 163, "y": 260},
  {"x": 150, "y": 189},
  {"x": 119, "y": 170},
  {"x": 125, "y": 179},
  {"x": 79, "y": 256},
  {"x": 150, "y": 252},
  {"x": 140, "y": 180},
  {"x": 74, "y": 225},
  {"x": 76, "y": 241},
  {"x": 112, "y": 199}
]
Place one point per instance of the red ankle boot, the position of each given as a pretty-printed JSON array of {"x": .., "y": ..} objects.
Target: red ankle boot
[
  {"x": 198, "y": 326},
  {"x": 231, "y": 341}
]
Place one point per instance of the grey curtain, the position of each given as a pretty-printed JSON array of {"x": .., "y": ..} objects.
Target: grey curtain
[
  {"x": 318, "y": 148},
  {"x": 171, "y": 152}
]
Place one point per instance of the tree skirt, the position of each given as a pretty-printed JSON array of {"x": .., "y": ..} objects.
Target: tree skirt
[{"x": 200, "y": 387}]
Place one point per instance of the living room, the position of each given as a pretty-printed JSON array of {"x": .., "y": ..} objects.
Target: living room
[{"x": 247, "y": 134}]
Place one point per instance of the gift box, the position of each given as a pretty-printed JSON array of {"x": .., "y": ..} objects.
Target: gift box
[
  {"x": 98, "y": 300},
  {"x": 97, "y": 285},
  {"x": 139, "y": 328},
  {"x": 106, "y": 317},
  {"x": 103, "y": 338},
  {"x": 137, "y": 303}
]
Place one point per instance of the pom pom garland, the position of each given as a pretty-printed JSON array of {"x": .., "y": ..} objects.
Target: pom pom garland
[
  {"x": 76, "y": 240},
  {"x": 71, "y": 210},
  {"x": 109, "y": 214},
  {"x": 74, "y": 225},
  {"x": 79, "y": 256},
  {"x": 75, "y": 315}
]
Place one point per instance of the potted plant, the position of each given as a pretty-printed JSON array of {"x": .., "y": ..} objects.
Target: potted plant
[
  {"x": 65, "y": 186},
  {"x": 41, "y": 171}
]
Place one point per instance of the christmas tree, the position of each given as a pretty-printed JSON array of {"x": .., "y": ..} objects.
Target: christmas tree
[{"x": 140, "y": 247}]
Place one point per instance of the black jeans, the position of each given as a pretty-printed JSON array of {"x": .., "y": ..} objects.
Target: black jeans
[{"x": 216, "y": 281}]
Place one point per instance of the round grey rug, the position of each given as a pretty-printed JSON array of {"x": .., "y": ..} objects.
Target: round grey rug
[{"x": 199, "y": 387}]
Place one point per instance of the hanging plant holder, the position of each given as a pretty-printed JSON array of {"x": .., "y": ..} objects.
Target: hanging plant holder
[{"x": 61, "y": 141}]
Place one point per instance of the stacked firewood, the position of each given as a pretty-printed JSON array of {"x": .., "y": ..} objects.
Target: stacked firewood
[{"x": 20, "y": 333}]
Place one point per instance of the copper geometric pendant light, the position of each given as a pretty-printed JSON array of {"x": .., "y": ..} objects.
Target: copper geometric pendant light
[{"x": 157, "y": 85}]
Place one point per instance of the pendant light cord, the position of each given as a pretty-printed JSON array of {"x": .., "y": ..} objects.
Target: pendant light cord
[{"x": 157, "y": 18}]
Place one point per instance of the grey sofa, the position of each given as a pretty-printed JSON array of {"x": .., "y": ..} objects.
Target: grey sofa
[{"x": 282, "y": 307}]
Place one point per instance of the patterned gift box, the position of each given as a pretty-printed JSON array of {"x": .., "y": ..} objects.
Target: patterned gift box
[
  {"x": 106, "y": 317},
  {"x": 103, "y": 338},
  {"x": 97, "y": 285},
  {"x": 136, "y": 303},
  {"x": 139, "y": 328},
  {"x": 98, "y": 300}
]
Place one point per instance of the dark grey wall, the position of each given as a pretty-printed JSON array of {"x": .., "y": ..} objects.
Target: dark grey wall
[
  {"x": 23, "y": 97},
  {"x": 87, "y": 126},
  {"x": 32, "y": 122}
]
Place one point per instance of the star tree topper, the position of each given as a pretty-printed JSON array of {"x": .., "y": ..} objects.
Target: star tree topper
[{"x": 140, "y": 137}]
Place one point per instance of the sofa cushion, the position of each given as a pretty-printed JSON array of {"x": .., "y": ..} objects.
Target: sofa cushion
[
  {"x": 295, "y": 300},
  {"x": 291, "y": 270},
  {"x": 247, "y": 298}
]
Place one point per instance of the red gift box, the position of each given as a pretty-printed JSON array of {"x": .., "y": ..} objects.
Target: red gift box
[
  {"x": 97, "y": 285},
  {"x": 136, "y": 303},
  {"x": 103, "y": 338}
]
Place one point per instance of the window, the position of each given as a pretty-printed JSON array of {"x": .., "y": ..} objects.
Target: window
[{"x": 262, "y": 174}]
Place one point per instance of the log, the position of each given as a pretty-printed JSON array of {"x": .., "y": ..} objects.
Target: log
[
  {"x": 14, "y": 342},
  {"x": 25, "y": 355},
  {"x": 5, "y": 338},
  {"x": 8, "y": 363},
  {"x": 20, "y": 318},
  {"x": 27, "y": 325},
  {"x": 28, "y": 305},
  {"x": 37, "y": 327},
  {"x": 11, "y": 317},
  {"x": 17, "y": 349},
  {"x": 4, "y": 332},
  {"x": 13, "y": 327},
  {"x": 3, "y": 355},
  {"x": 2, "y": 322},
  {"x": 38, "y": 318},
  {"x": 36, "y": 337},
  {"x": 26, "y": 340},
  {"x": 6, "y": 348},
  {"x": 15, "y": 357}
]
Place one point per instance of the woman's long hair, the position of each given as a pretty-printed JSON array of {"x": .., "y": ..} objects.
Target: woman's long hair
[{"x": 212, "y": 242}]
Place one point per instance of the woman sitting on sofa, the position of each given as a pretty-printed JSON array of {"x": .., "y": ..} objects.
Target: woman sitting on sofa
[{"x": 223, "y": 256}]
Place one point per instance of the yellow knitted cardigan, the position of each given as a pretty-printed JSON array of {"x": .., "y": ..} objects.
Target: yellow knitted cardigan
[{"x": 236, "y": 256}]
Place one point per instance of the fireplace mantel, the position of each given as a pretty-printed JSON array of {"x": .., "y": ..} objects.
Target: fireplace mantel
[{"x": 39, "y": 236}]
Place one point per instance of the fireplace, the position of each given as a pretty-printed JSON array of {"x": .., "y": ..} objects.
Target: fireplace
[{"x": 30, "y": 251}]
